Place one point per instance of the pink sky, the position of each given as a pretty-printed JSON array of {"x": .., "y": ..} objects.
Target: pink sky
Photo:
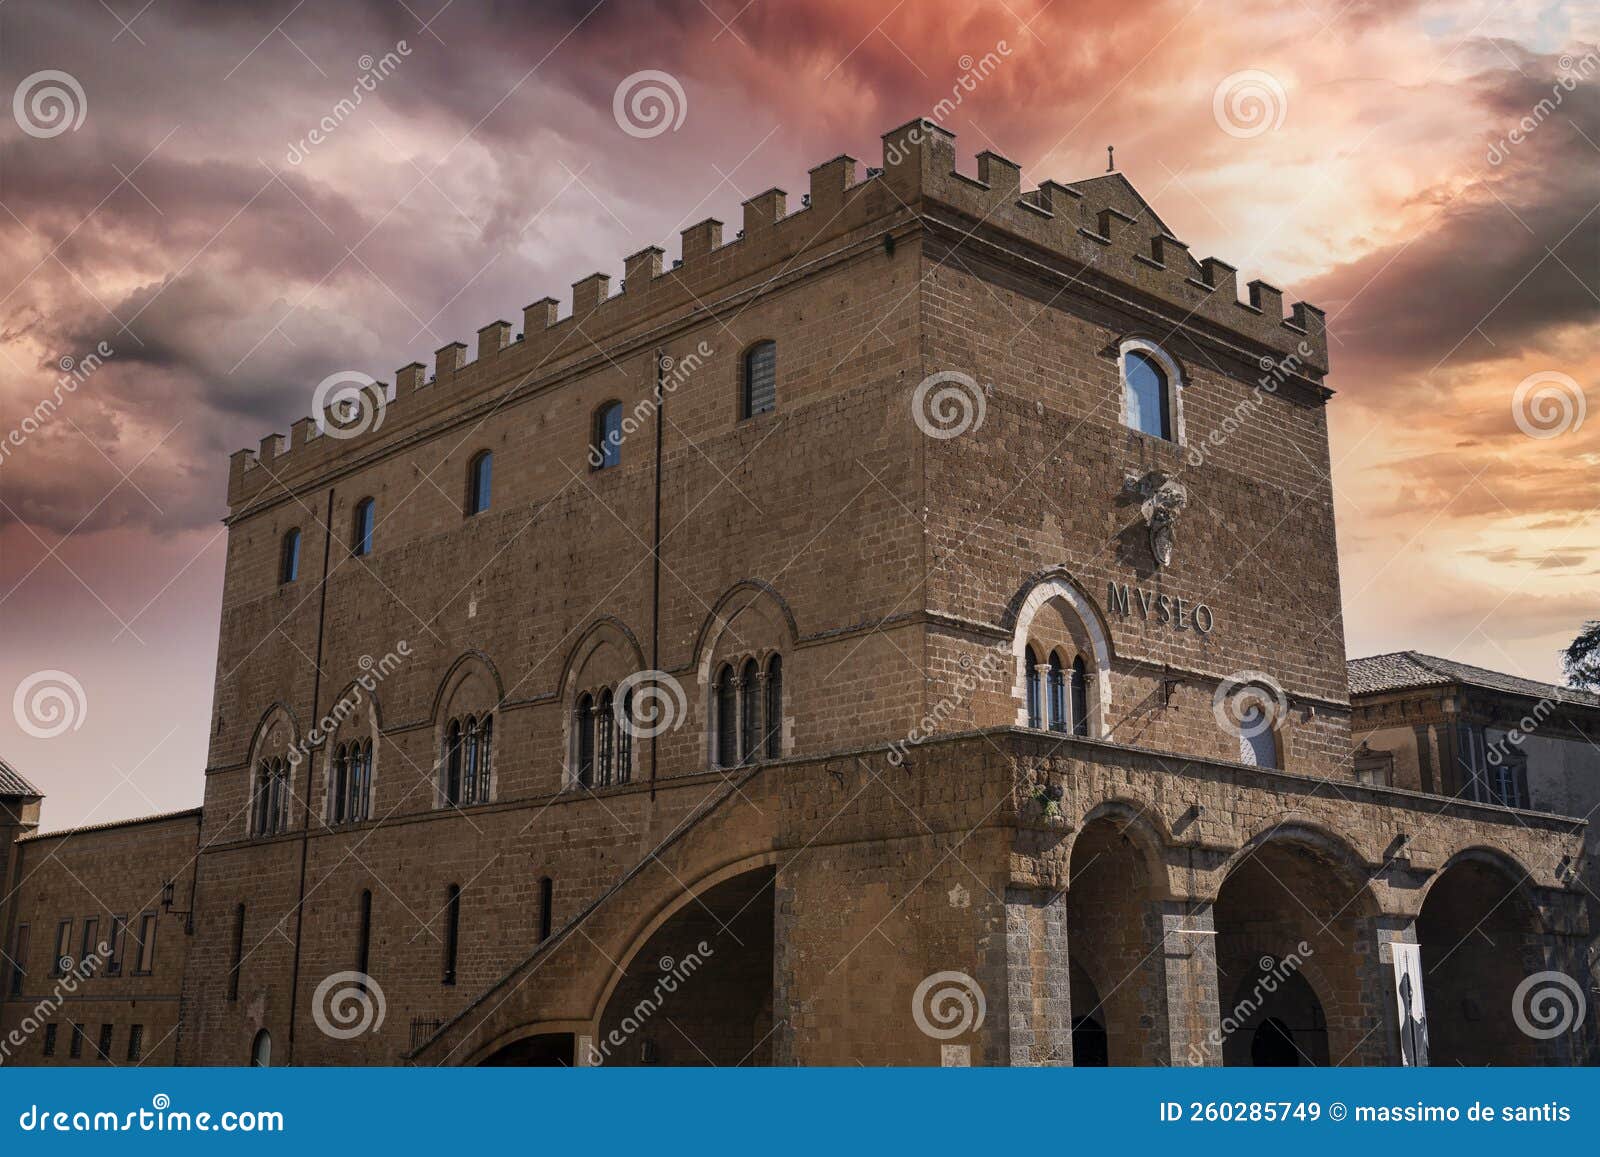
[{"x": 230, "y": 265}]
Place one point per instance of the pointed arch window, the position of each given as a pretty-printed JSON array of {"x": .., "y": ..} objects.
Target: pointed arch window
[
  {"x": 774, "y": 718},
  {"x": 480, "y": 482},
  {"x": 727, "y": 718},
  {"x": 1058, "y": 693},
  {"x": 465, "y": 763},
  {"x": 289, "y": 557},
  {"x": 1030, "y": 661},
  {"x": 583, "y": 727},
  {"x": 749, "y": 710},
  {"x": 759, "y": 389},
  {"x": 625, "y": 738},
  {"x": 605, "y": 726},
  {"x": 1079, "y": 692},
  {"x": 270, "y": 807},
  {"x": 361, "y": 528}
]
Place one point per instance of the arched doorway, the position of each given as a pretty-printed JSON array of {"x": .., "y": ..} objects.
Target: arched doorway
[
  {"x": 1277, "y": 1020},
  {"x": 1296, "y": 971},
  {"x": 541, "y": 1050},
  {"x": 699, "y": 990},
  {"x": 1479, "y": 937},
  {"x": 1112, "y": 950}
]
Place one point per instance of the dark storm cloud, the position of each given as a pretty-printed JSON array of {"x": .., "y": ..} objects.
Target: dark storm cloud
[{"x": 1511, "y": 255}]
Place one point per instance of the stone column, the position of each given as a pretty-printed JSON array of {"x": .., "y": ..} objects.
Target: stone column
[
  {"x": 1038, "y": 990},
  {"x": 1189, "y": 970}
]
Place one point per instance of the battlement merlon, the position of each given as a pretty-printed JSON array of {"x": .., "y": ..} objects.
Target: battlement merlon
[{"x": 1097, "y": 233}]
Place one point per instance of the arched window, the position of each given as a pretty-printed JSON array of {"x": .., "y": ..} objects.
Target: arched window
[
  {"x": 270, "y": 806},
  {"x": 480, "y": 482},
  {"x": 1258, "y": 740},
  {"x": 759, "y": 390},
  {"x": 289, "y": 558},
  {"x": 451, "y": 763},
  {"x": 261, "y": 1050},
  {"x": 727, "y": 719},
  {"x": 361, "y": 785},
  {"x": 583, "y": 726},
  {"x": 1147, "y": 392},
  {"x": 625, "y": 738},
  {"x": 361, "y": 530},
  {"x": 605, "y": 448},
  {"x": 750, "y": 711},
  {"x": 1058, "y": 693},
  {"x": 464, "y": 764},
  {"x": 339, "y": 785},
  {"x": 1080, "y": 697},
  {"x": 1030, "y": 661},
  {"x": 605, "y": 738},
  {"x": 775, "y": 707}
]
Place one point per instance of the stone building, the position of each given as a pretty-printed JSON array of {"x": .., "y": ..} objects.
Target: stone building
[{"x": 905, "y": 633}]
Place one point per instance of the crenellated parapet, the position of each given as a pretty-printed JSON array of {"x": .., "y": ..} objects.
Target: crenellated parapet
[{"x": 1096, "y": 236}]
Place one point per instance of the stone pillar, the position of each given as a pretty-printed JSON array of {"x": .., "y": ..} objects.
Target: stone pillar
[
  {"x": 1038, "y": 988},
  {"x": 1189, "y": 970}
]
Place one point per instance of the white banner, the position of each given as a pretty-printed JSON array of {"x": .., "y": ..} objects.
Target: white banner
[{"x": 1413, "y": 1017}]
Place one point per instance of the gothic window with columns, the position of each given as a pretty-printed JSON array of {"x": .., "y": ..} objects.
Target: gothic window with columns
[
  {"x": 1030, "y": 661},
  {"x": 270, "y": 801},
  {"x": 466, "y": 763},
  {"x": 747, "y": 712},
  {"x": 350, "y": 782},
  {"x": 602, "y": 738}
]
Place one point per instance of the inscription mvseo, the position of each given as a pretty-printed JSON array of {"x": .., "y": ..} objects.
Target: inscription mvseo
[{"x": 1175, "y": 613}]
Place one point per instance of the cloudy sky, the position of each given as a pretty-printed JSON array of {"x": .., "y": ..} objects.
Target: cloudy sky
[{"x": 1427, "y": 173}]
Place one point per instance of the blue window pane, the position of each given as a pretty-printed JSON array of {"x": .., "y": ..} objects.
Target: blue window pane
[
  {"x": 1145, "y": 392},
  {"x": 607, "y": 437},
  {"x": 289, "y": 569},
  {"x": 482, "y": 476},
  {"x": 363, "y": 534}
]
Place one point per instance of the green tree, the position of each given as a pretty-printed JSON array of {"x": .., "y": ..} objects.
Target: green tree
[{"x": 1581, "y": 660}]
